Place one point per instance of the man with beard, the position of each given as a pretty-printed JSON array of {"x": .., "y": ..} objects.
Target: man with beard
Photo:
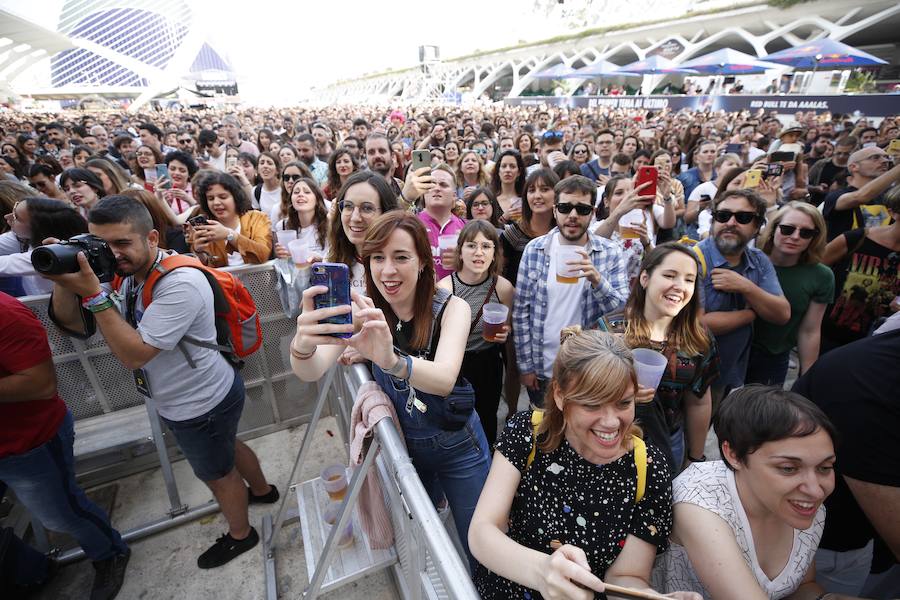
[
  {"x": 595, "y": 283},
  {"x": 306, "y": 149},
  {"x": 200, "y": 399},
  {"x": 739, "y": 283},
  {"x": 823, "y": 172},
  {"x": 381, "y": 160}
]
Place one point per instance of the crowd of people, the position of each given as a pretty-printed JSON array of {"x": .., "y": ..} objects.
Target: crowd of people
[{"x": 733, "y": 244}]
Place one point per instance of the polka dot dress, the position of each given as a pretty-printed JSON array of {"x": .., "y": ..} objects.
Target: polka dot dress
[{"x": 563, "y": 497}]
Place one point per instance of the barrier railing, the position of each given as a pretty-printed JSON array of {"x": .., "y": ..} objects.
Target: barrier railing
[{"x": 426, "y": 561}]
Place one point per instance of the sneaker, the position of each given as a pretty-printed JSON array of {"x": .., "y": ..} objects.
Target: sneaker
[
  {"x": 110, "y": 574},
  {"x": 270, "y": 498},
  {"x": 225, "y": 549}
]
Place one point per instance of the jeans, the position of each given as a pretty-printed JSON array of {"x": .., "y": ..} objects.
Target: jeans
[
  {"x": 44, "y": 481},
  {"x": 456, "y": 462},
  {"x": 766, "y": 368},
  {"x": 677, "y": 442},
  {"x": 843, "y": 572}
]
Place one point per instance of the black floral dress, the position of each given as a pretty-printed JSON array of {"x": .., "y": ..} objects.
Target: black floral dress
[{"x": 564, "y": 497}]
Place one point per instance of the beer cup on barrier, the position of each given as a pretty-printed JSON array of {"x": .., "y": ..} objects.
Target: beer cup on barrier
[
  {"x": 299, "y": 250},
  {"x": 649, "y": 365},
  {"x": 345, "y": 540},
  {"x": 494, "y": 317},
  {"x": 335, "y": 480},
  {"x": 635, "y": 216},
  {"x": 564, "y": 272}
]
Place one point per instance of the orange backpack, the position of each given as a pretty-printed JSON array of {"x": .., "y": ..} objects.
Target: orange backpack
[{"x": 238, "y": 330}]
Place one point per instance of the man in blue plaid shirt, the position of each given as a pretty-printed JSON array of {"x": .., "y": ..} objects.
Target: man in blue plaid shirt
[{"x": 590, "y": 284}]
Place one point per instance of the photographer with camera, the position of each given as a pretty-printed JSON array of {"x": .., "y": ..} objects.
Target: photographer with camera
[{"x": 194, "y": 388}]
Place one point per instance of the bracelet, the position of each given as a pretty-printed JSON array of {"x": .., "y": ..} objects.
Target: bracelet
[
  {"x": 100, "y": 306},
  {"x": 701, "y": 459},
  {"x": 95, "y": 300},
  {"x": 301, "y": 356}
]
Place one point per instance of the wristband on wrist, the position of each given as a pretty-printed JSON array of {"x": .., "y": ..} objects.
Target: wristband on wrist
[
  {"x": 95, "y": 300},
  {"x": 701, "y": 459},
  {"x": 300, "y": 355},
  {"x": 100, "y": 306}
]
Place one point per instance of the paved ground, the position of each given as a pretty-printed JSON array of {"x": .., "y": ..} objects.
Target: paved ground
[{"x": 164, "y": 565}]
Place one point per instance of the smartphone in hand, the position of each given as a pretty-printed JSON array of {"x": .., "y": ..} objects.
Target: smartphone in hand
[
  {"x": 162, "y": 172},
  {"x": 752, "y": 179},
  {"x": 645, "y": 174},
  {"x": 421, "y": 158},
  {"x": 336, "y": 277}
]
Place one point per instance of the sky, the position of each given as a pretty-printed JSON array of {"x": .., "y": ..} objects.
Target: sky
[{"x": 280, "y": 50}]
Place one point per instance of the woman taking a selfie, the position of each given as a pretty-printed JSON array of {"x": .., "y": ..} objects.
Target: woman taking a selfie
[
  {"x": 620, "y": 198},
  {"x": 407, "y": 313},
  {"x": 748, "y": 526},
  {"x": 663, "y": 314},
  {"x": 562, "y": 511},
  {"x": 364, "y": 198},
  {"x": 228, "y": 232},
  {"x": 477, "y": 281}
]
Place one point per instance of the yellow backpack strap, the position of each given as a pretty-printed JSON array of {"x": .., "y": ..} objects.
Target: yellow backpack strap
[
  {"x": 536, "y": 417},
  {"x": 701, "y": 259},
  {"x": 640, "y": 461}
]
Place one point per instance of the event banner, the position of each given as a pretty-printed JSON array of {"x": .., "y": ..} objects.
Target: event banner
[{"x": 873, "y": 105}]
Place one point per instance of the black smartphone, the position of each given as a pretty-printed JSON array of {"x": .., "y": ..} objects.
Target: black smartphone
[
  {"x": 773, "y": 170},
  {"x": 198, "y": 220},
  {"x": 782, "y": 157},
  {"x": 336, "y": 277},
  {"x": 734, "y": 148}
]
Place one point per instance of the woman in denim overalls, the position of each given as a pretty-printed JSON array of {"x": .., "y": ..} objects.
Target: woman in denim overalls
[{"x": 415, "y": 337}]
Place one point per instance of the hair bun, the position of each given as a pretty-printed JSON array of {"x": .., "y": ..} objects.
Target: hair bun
[{"x": 567, "y": 332}]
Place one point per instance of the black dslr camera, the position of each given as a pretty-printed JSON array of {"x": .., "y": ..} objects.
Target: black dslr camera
[{"x": 56, "y": 259}]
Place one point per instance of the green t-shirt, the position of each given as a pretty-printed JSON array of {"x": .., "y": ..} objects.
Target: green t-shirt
[{"x": 801, "y": 284}]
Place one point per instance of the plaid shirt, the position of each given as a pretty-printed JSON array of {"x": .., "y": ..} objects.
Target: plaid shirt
[{"x": 530, "y": 306}]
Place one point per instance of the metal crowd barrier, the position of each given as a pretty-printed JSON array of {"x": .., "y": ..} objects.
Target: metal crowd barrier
[
  {"x": 118, "y": 435},
  {"x": 424, "y": 561}
]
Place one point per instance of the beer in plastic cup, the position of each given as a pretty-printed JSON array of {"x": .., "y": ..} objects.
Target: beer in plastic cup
[
  {"x": 635, "y": 216},
  {"x": 335, "y": 480},
  {"x": 299, "y": 253},
  {"x": 649, "y": 365},
  {"x": 345, "y": 539},
  {"x": 565, "y": 273},
  {"x": 285, "y": 236},
  {"x": 493, "y": 317},
  {"x": 446, "y": 248}
]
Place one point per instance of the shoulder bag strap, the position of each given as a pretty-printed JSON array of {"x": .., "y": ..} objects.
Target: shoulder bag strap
[
  {"x": 487, "y": 299},
  {"x": 640, "y": 461}
]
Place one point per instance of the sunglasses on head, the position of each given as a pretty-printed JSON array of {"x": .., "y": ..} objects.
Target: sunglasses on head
[
  {"x": 742, "y": 216},
  {"x": 553, "y": 135},
  {"x": 582, "y": 210},
  {"x": 806, "y": 234}
]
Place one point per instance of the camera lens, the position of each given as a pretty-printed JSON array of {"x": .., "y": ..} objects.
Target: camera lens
[{"x": 55, "y": 259}]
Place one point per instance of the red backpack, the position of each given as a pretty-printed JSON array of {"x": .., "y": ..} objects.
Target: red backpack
[{"x": 238, "y": 330}]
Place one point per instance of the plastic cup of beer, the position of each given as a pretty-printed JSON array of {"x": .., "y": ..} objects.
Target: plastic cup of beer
[
  {"x": 335, "y": 480},
  {"x": 566, "y": 273},
  {"x": 285, "y": 236},
  {"x": 299, "y": 250},
  {"x": 332, "y": 511},
  {"x": 634, "y": 216},
  {"x": 494, "y": 317},
  {"x": 649, "y": 365},
  {"x": 446, "y": 248}
]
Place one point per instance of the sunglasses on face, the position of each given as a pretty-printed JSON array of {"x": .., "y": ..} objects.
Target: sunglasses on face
[
  {"x": 582, "y": 210},
  {"x": 806, "y": 234},
  {"x": 292, "y": 176},
  {"x": 742, "y": 216}
]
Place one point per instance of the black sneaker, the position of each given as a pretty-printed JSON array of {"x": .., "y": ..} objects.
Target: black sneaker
[
  {"x": 269, "y": 498},
  {"x": 225, "y": 549},
  {"x": 110, "y": 574}
]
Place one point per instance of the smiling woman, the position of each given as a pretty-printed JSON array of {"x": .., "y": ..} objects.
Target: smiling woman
[{"x": 748, "y": 526}]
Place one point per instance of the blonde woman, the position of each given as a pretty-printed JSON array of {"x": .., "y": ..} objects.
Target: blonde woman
[
  {"x": 794, "y": 241},
  {"x": 568, "y": 522}
]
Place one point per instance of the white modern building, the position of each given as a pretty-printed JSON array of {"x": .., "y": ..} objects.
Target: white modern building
[{"x": 125, "y": 49}]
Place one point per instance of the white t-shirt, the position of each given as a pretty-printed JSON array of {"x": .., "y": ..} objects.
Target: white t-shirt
[
  {"x": 565, "y": 298},
  {"x": 234, "y": 258},
  {"x": 270, "y": 202},
  {"x": 358, "y": 278},
  {"x": 710, "y": 485}
]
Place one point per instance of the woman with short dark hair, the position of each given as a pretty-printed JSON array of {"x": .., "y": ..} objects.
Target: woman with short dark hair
[{"x": 748, "y": 526}]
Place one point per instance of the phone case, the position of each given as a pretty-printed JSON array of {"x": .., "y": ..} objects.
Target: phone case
[
  {"x": 752, "y": 179},
  {"x": 336, "y": 277},
  {"x": 647, "y": 174},
  {"x": 163, "y": 171},
  {"x": 421, "y": 158}
]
